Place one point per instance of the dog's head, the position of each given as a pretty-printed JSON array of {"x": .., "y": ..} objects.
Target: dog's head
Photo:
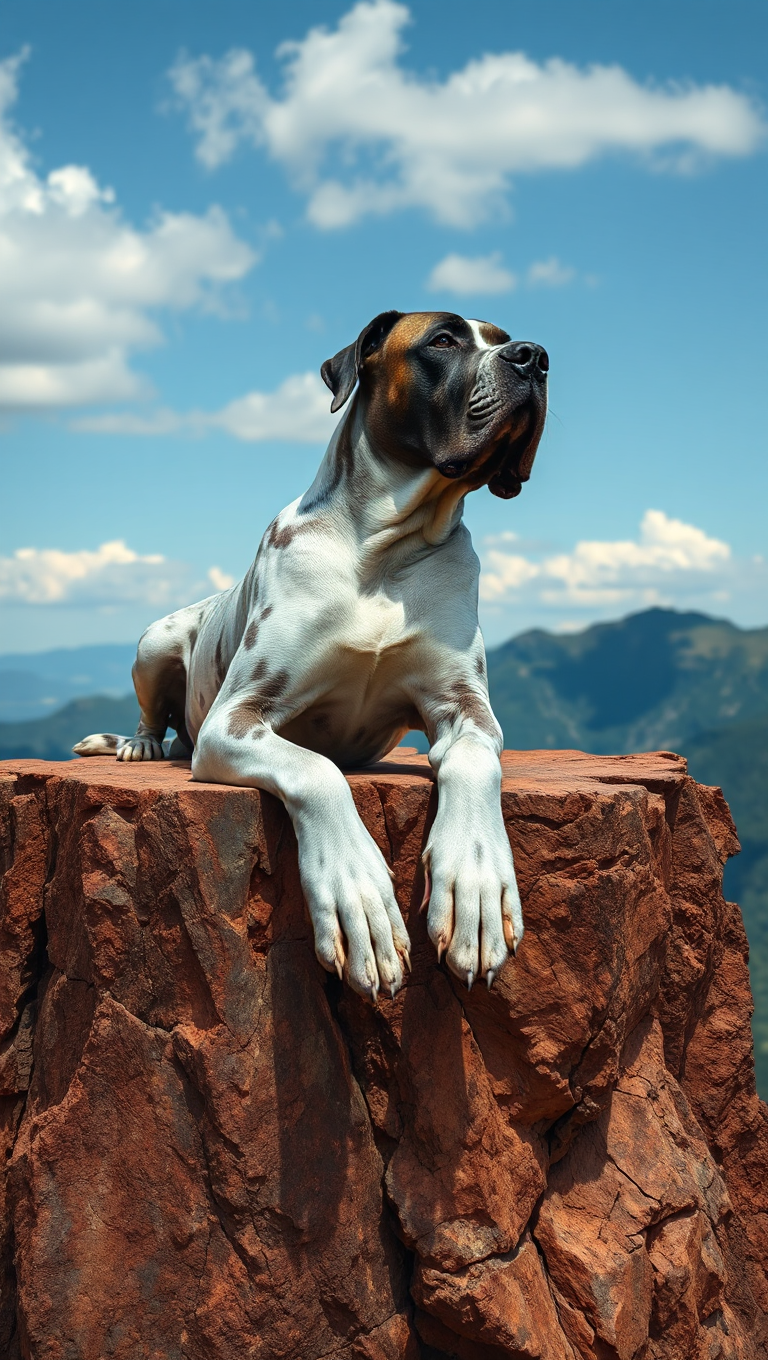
[{"x": 459, "y": 395}]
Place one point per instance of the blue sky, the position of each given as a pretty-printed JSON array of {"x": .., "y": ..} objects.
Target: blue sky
[{"x": 193, "y": 216}]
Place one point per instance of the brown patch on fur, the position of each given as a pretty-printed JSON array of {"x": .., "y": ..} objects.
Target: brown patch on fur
[
  {"x": 247, "y": 714},
  {"x": 265, "y": 613},
  {"x": 492, "y": 335},
  {"x": 283, "y": 537},
  {"x": 218, "y": 661},
  {"x": 201, "y": 700},
  {"x": 471, "y": 704},
  {"x": 259, "y": 671},
  {"x": 274, "y": 688},
  {"x": 480, "y": 665},
  {"x": 192, "y": 638},
  {"x": 251, "y": 633},
  {"x": 394, "y": 352},
  {"x": 253, "y": 710}
]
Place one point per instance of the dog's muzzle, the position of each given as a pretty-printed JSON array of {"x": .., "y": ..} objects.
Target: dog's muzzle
[{"x": 510, "y": 464}]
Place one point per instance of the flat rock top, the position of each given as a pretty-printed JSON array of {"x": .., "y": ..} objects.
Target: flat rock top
[{"x": 524, "y": 771}]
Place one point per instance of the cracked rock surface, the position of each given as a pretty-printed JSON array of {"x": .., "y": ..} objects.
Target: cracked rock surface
[{"x": 213, "y": 1150}]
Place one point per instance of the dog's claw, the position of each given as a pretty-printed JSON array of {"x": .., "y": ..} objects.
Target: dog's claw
[
  {"x": 470, "y": 980},
  {"x": 509, "y": 936},
  {"x": 427, "y": 890},
  {"x": 440, "y": 949},
  {"x": 490, "y": 975}
]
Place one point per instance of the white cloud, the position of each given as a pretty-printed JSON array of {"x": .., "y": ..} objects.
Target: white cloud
[
  {"x": 550, "y": 273},
  {"x": 670, "y": 563},
  {"x": 448, "y": 146},
  {"x": 487, "y": 274},
  {"x": 80, "y": 285},
  {"x": 220, "y": 580},
  {"x": 466, "y": 274},
  {"x": 298, "y": 411},
  {"x": 112, "y": 575}
]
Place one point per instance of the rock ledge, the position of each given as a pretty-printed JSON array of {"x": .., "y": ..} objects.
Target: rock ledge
[{"x": 214, "y": 1151}]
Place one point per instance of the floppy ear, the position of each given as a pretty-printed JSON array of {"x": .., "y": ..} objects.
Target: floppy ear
[{"x": 341, "y": 372}]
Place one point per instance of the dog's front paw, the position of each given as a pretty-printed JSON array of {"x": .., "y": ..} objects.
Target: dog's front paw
[
  {"x": 474, "y": 914},
  {"x": 140, "y": 748},
  {"x": 359, "y": 931}
]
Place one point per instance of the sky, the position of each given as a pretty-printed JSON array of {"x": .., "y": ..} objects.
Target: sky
[{"x": 200, "y": 203}]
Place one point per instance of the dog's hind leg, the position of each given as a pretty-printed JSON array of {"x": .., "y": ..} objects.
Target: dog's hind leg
[{"x": 160, "y": 681}]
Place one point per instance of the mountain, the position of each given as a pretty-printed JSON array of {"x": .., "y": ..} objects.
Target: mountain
[
  {"x": 648, "y": 682},
  {"x": 656, "y": 680},
  {"x": 52, "y": 738},
  {"x": 736, "y": 758},
  {"x": 34, "y": 685}
]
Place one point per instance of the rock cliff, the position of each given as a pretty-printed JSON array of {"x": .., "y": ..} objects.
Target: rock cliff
[{"x": 214, "y": 1151}]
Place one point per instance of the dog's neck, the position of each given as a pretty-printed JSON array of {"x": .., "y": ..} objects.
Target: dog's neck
[{"x": 385, "y": 502}]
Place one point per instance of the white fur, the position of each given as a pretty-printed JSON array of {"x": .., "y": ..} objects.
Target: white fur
[
  {"x": 479, "y": 340},
  {"x": 363, "y": 626}
]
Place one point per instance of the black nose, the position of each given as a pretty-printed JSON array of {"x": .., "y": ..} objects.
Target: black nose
[{"x": 528, "y": 358}]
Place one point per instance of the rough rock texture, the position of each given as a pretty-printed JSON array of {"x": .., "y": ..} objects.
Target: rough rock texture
[{"x": 215, "y": 1151}]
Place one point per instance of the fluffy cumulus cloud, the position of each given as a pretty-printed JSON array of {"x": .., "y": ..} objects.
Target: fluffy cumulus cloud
[
  {"x": 298, "y": 411},
  {"x": 471, "y": 275},
  {"x": 670, "y": 563},
  {"x": 447, "y": 146},
  {"x": 465, "y": 274},
  {"x": 80, "y": 286},
  {"x": 111, "y": 575}
]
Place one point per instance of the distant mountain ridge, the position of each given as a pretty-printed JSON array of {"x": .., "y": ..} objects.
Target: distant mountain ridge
[
  {"x": 648, "y": 682},
  {"x": 36, "y": 684}
]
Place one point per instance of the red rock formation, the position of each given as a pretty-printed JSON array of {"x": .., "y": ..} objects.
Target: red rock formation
[{"x": 215, "y": 1151}]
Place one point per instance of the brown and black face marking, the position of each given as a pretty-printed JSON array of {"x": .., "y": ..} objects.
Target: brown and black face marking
[{"x": 440, "y": 390}]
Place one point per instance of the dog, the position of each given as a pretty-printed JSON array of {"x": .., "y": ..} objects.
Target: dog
[{"x": 357, "y": 622}]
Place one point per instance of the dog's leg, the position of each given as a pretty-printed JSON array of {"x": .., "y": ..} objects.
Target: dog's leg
[
  {"x": 474, "y": 913},
  {"x": 359, "y": 931},
  {"x": 160, "y": 681}
]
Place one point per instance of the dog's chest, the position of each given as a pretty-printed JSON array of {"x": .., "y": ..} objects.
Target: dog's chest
[
  {"x": 374, "y": 623},
  {"x": 361, "y": 707}
]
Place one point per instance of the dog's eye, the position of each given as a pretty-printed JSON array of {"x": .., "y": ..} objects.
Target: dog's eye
[{"x": 442, "y": 342}]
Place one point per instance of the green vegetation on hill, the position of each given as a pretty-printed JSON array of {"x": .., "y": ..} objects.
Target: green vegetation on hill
[
  {"x": 736, "y": 758},
  {"x": 52, "y": 738},
  {"x": 648, "y": 682}
]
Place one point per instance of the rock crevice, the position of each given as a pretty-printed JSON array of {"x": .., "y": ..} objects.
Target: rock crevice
[{"x": 214, "y": 1150}]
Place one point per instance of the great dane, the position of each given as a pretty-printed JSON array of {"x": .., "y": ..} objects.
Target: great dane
[{"x": 357, "y": 622}]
